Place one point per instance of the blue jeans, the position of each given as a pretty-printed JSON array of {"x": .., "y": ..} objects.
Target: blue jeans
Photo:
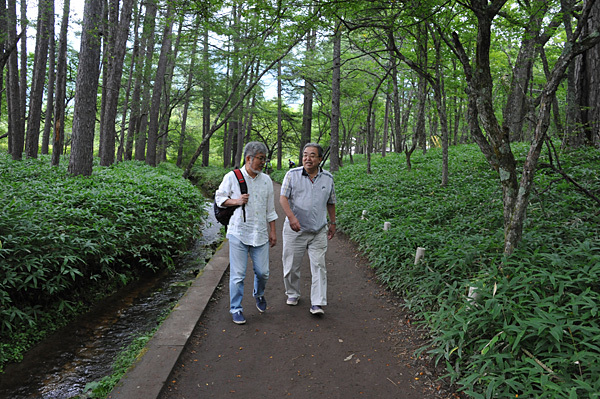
[{"x": 238, "y": 263}]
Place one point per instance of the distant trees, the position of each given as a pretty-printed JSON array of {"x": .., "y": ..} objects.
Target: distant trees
[{"x": 183, "y": 81}]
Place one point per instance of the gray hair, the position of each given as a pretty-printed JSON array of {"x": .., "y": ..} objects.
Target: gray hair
[
  {"x": 317, "y": 146},
  {"x": 253, "y": 148}
]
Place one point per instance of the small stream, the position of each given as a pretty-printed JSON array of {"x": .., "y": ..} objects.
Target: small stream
[{"x": 83, "y": 351}]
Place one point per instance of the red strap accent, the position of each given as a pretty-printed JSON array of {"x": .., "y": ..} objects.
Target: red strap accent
[{"x": 239, "y": 175}]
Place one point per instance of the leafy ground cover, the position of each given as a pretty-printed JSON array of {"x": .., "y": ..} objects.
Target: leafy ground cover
[
  {"x": 67, "y": 240},
  {"x": 531, "y": 328}
]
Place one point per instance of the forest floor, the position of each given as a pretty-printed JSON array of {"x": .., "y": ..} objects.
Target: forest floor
[{"x": 363, "y": 346}]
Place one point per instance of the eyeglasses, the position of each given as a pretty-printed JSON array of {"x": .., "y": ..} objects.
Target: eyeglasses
[
  {"x": 311, "y": 156},
  {"x": 261, "y": 159}
]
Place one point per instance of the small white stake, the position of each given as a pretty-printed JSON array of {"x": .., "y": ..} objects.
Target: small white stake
[{"x": 420, "y": 254}]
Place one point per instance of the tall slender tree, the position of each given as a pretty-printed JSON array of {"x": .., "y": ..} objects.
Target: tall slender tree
[
  {"x": 158, "y": 86},
  {"x": 38, "y": 81},
  {"x": 140, "y": 116},
  {"x": 334, "y": 155},
  {"x": 111, "y": 90},
  {"x": 48, "y": 122},
  {"x": 61, "y": 87},
  {"x": 16, "y": 119},
  {"x": 84, "y": 113}
]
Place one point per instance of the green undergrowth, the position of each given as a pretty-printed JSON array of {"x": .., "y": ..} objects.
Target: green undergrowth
[
  {"x": 531, "y": 327},
  {"x": 66, "y": 241},
  {"x": 208, "y": 178}
]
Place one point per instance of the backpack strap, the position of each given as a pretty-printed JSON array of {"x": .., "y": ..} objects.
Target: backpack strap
[{"x": 243, "y": 187}]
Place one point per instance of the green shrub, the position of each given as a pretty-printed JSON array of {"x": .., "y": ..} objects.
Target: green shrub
[
  {"x": 65, "y": 238},
  {"x": 532, "y": 330}
]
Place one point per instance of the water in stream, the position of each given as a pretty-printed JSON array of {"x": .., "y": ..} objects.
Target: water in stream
[{"x": 83, "y": 352}]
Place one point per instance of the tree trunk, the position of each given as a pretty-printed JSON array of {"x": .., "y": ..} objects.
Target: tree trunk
[
  {"x": 120, "y": 29},
  {"x": 4, "y": 49},
  {"x": 16, "y": 121},
  {"x": 38, "y": 81},
  {"x": 125, "y": 142},
  {"x": 158, "y": 87},
  {"x": 440, "y": 96},
  {"x": 167, "y": 107},
  {"x": 186, "y": 101},
  {"x": 23, "y": 67},
  {"x": 334, "y": 144},
  {"x": 279, "y": 118},
  {"x": 206, "y": 87},
  {"x": 308, "y": 101},
  {"x": 84, "y": 114},
  {"x": 61, "y": 86},
  {"x": 51, "y": 86},
  {"x": 420, "y": 122},
  {"x": 587, "y": 84},
  {"x": 386, "y": 126},
  {"x": 142, "y": 117},
  {"x": 399, "y": 141}
]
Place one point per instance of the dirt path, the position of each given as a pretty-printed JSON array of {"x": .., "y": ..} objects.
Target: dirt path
[{"x": 362, "y": 347}]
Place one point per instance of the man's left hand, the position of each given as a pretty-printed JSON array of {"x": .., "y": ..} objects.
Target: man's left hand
[{"x": 331, "y": 231}]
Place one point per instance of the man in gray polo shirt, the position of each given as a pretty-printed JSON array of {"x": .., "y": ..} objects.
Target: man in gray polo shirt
[{"x": 307, "y": 198}]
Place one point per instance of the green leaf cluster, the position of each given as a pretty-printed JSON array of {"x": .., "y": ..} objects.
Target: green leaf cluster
[
  {"x": 526, "y": 325},
  {"x": 65, "y": 237}
]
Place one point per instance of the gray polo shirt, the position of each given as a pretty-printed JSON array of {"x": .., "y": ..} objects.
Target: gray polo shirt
[{"x": 308, "y": 199}]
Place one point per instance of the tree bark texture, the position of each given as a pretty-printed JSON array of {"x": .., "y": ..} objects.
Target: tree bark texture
[
  {"x": 16, "y": 120},
  {"x": 587, "y": 77},
  {"x": 51, "y": 86},
  {"x": 158, "y": 87},
  {"x": 61, "y": 86},
  {"x": 334, "y": 144},
  {"x": 141, "y": 120},
  {"x": 38, "y": 81},
  {"x": 118, "y": 46},
  {"x": 84, "y": 113}
]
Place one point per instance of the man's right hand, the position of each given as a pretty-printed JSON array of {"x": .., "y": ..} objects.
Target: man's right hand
[
  {"x": 294, "y": 224},
  {"x": 243, "y": 199}
]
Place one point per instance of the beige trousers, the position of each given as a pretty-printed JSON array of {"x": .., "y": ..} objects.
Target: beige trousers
[{"x": 295, "y": 245}]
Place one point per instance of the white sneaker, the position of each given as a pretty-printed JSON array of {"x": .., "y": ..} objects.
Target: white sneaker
[
  {"x": 292, "y": 301},
  {"x": 315, "y": 309}
]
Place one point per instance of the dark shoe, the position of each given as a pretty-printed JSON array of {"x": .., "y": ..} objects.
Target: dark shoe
[
  {"x": 315, "y": 309},
  {"x": 292, "y": 301},
  {"x": 238, "y": 317},
  {"x": 261, "y": 304}
]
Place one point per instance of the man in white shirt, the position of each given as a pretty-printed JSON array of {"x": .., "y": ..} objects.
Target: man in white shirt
[
  {"x": 251, "y": 229},
  {"x": 307, "y": 198}
]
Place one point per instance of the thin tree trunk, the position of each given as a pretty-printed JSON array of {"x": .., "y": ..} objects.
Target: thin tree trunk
[
  {"x": 151, "y": 150},
  {"x": 23, "y": 67},
  {"x": 84, "y": 114},
  {"x": 38, "y": 81},
  {"x": 334, "y": 145},
  {"x": 126, "y": 142},
  {"x": 51, "y": 86},
  {"x": 167, "y": 108},
  {"x": 61, "y": 85},
  {"x": 206, "y": 87},
  {"x": 307, "y": 115},
  {"x": 120, "y": 29},
  {"x": 279, "y": 118},
  {"x": 142, "y": 118},
  {"x": 16, "y": 120},
  {"x": 186, "y": 101}
]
